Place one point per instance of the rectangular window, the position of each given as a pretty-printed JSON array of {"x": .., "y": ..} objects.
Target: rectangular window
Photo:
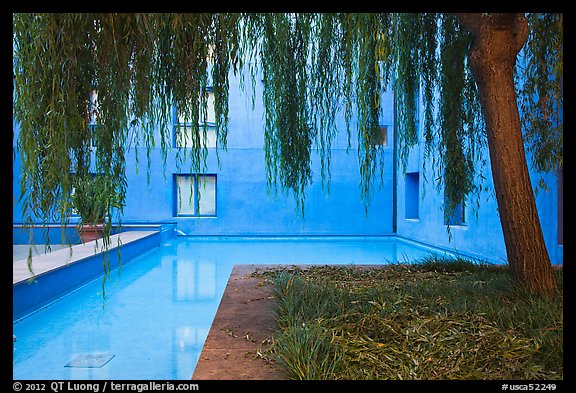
[
  {"x": 195, "y": 195},
  {"x": 382, "y": 136},
  {"x": 93, "y": 116},
  {"x": 561, "y": 206},
  {"x": 411, "y": 195},
  {"x": 458, "y": 217},
  {"x": 183, "y": 127},
  {"x": 183, "y": 136}
]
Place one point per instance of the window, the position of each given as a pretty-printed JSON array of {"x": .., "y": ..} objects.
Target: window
[
  {"x": 411, "y": 195},
  {"x": 383, "y": 136},
  {"x": 183, "y": 129},
  {"x": 561, "y": 206},
  {"x": 195, "y": 195},
  {"x": 458, "y": 216},
  {"x": 93, "y": 116}
]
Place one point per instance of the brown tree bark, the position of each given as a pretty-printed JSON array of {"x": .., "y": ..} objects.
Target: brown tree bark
[{"x": 497, "y": 40}]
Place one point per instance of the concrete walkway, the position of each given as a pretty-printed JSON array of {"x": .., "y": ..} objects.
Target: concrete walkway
[
  {"x": 21, "y": 251},
  {"x": 240, "y": 329},
  {"x": 42, "y": 263}
]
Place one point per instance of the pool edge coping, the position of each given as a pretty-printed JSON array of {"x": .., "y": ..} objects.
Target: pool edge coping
[{"x": 62, "y": 258}]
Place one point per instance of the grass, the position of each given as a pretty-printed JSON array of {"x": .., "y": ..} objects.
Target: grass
[{"x": 435, "y": 319}]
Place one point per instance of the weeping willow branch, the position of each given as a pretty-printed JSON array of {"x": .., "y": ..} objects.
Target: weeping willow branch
[
  {"x": 315, "y": 67},
  {"x": 540, "y": 99},
  {"x": 457, "y": 167},
  {"x": 370, "y": 152},
  {"x": 287, "y": 131}
]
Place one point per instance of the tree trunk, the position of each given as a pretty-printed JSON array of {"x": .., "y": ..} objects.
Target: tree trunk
[{"x": 497, "y": 40}]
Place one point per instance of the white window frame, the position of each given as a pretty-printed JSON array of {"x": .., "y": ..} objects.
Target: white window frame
[
  {"x": 207, "y": 126},
  {"x": 190, "y": 204}
]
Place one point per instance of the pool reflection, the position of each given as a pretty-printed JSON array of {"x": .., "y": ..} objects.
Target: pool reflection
[{"x": 194, "y": 280}]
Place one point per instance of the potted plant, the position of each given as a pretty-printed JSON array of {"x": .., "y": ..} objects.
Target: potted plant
[{"x": 90, "y": 201}]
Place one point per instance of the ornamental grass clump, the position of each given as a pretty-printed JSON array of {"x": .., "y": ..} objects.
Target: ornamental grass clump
[{"x": 435, "y": 319}]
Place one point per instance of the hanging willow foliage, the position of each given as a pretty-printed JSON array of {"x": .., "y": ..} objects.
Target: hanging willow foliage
[
  {"x": 313, "y": 64},
  {"x": 540, "y": 98},
  {"x": 460, "y": 135},
  {"x": 315, "y": 67},
  {"x": 287, "y": 130},
  {"x": 140, "y": 65}
]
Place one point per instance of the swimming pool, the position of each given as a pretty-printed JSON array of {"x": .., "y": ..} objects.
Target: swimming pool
[{"x": 160, "y": 306}]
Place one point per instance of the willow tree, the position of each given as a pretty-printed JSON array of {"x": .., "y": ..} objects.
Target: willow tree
[{"x": 315, "y": 67}]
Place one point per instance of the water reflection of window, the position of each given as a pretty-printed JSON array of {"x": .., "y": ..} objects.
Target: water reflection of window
[
  {"x": 194, "y": 280},
  {"x": 185, "y": 280},
  {"x": 207, "y": 283},
  {"x": 186, "y": 346},
  {"x": 186, "y": 338}
]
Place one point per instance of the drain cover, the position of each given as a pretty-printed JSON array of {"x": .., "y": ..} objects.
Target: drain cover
[{"x": 90, "y": 360}]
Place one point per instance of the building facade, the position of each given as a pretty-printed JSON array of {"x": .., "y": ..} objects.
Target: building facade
[{"x": 235, "y": 199}]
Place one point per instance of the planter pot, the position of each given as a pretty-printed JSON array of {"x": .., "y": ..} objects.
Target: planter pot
[{"x": 89, "y": 232}]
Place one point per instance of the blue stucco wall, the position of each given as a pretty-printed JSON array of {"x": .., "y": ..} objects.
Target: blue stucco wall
[
  {"x": 481, "y": 235},
  {"x": 246, "y": 206}
]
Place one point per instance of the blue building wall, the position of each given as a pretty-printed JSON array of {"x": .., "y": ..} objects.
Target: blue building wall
[
  {"x": 246, "y": 206},
  {"x": 480, "y": 235},
  {"x": 244, "y": 203}
]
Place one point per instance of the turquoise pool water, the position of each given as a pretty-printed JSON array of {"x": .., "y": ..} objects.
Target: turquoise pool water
[{"x": 160, "y": 306}]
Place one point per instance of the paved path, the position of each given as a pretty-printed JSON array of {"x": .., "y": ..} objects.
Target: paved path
[
  {"x": 42, "y": 263},
  {"x": 20, "y": 251}
]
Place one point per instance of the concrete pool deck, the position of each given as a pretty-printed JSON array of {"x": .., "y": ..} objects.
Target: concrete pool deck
[
  {"x": 62, "y": 256},
  {"x": 240, "y": 329},
  {"x": 20, "y": 251},
  {"x": 62, "y": 271}
]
